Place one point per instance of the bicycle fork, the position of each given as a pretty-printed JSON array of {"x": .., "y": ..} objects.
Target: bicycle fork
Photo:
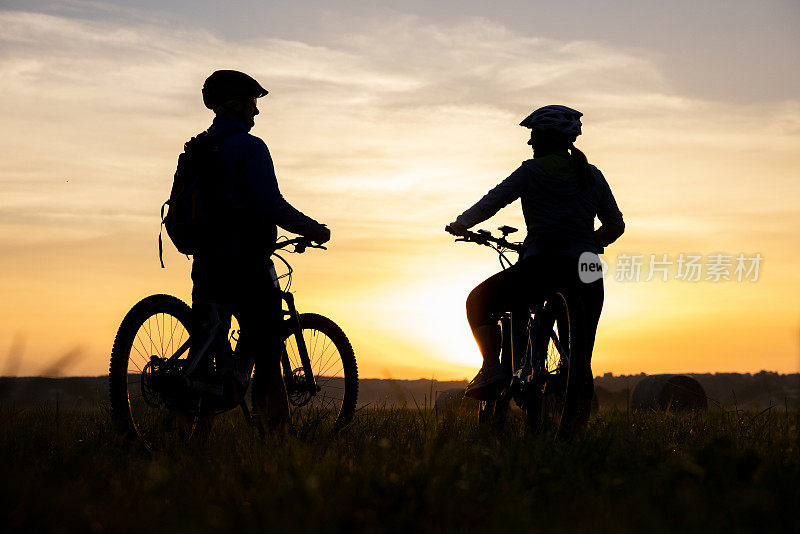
[{"x": 294, "y": 327}]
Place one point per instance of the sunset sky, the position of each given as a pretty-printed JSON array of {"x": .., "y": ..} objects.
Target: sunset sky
[{"x": 385, "y": 121}]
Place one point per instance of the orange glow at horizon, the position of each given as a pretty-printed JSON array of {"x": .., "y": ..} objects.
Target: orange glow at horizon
[{"x": 386, "y": 153}]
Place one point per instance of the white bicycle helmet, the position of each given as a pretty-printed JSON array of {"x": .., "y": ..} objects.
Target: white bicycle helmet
[{"x": 554, "y": 118}]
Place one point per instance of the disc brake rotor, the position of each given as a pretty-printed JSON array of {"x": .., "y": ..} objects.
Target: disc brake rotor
[{"x": 297, "y": 388}]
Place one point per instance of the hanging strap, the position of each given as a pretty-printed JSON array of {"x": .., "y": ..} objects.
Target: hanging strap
[{"x": 160, "y": 242}]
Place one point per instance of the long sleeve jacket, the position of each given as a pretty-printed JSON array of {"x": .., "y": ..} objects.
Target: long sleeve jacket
[
  {"x": 559, "y": 212},
  {"x": 250, "y": 184}
]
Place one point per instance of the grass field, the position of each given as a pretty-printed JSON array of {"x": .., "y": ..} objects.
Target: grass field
[{"x": 409, "y": 470}]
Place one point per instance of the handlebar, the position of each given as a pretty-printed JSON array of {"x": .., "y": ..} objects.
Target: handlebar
[
  {"x": 300, "y": 245},
  {"x": 485, "y": 237},
  {"x": 498, "y": 244}
]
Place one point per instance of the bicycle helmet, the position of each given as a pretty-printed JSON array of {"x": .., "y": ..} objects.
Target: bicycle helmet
[
  {"x": 225, "y": 85},
  {"x": 554, "y": 118}
]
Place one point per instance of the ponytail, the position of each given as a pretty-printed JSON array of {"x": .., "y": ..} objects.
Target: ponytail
[{"x": 581, "y": 165}]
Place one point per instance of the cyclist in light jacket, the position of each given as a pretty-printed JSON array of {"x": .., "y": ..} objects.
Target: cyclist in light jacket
[{"x": 561, "y": 194}]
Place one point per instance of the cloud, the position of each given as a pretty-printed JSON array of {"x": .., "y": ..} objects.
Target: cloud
[{"x": 384, "y": 115}]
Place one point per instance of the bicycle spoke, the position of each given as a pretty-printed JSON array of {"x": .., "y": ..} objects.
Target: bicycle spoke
[
  {"x": 148, "y": 330},
  {"x": 325, "y": 349},
  {"x": 333, "y": 355},
  {"x": 322, "y": 373},
  {"x": 160, "y": 336},
  {"x": 316, "y": 338},
  {"x": 173, "y": 326},
  {"x": 146, "y": 354},
  {"x": 142, "y": 356}
]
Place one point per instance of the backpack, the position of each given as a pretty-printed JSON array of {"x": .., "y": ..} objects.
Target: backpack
[{"x": 190, "y": 203}]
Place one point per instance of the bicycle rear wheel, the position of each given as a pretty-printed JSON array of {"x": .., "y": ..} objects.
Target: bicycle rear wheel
[
  {"x": 333, "y": 363},
  {"x": 146, "y": 399},
  {"x": 551, "y": 340}
]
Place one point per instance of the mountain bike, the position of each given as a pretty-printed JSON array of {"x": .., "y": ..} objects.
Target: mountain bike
[
  {"x": 159, "y": 387},
  {"x": 536, "y": 350}
]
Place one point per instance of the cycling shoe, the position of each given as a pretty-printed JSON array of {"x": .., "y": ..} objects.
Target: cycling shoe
[{"x": 487, "y": 383}]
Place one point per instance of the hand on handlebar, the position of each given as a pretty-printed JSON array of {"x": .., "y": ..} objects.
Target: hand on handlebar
[
  {"x": 320, "y": 235},
  {"x": 456, "y": 229}
]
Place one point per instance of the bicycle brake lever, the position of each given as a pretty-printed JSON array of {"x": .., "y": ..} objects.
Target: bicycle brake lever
[{"x": 309, "y": 244}]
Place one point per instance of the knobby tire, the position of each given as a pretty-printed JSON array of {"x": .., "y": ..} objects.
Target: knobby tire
[{"x": 156, "y": 326}]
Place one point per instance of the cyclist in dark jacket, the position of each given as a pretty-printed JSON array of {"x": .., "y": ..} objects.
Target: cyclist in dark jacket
[
  {"x": 232, "y": 268},
  {"x": 561, "y": 194}
]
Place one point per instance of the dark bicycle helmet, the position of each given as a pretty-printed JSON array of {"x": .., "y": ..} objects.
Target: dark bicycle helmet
[
  {"x": 554, "y": 118},
  {"x": 225, "y": 85}
]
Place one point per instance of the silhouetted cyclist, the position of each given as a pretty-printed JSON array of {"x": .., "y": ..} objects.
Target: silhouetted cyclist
[
  {"x": 561, "y": 194},
  {"x": 232, "y": 266}
]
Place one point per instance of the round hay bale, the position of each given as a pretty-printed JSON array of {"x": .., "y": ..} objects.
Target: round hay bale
[
  {"x": 673, "y": 392},
  {"x": 452, "y": 399}
]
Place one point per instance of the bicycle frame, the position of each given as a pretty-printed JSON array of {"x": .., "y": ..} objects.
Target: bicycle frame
[{"x": 291, "y": 326}]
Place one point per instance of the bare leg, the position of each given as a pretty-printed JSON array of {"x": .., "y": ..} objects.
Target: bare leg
[{"x": 488, "y": 339}]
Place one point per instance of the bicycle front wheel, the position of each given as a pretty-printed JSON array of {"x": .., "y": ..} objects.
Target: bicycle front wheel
[
  {"x": 146, "y": 398},
  {"x": 331, "y": 359}
]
